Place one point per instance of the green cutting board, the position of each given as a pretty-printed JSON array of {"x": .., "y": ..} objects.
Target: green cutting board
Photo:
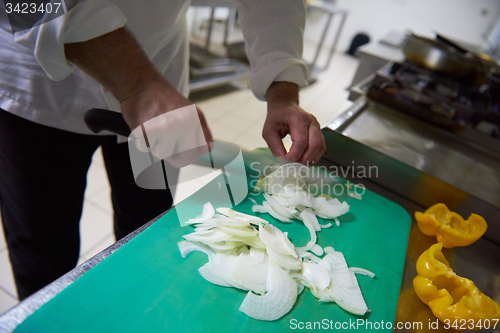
[{"x": 146, "y": 286}]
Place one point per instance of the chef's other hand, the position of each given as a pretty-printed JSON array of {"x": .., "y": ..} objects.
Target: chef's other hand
[{"x": 284, "y": 116}]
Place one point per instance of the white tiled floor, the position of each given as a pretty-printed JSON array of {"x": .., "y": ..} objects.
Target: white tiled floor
[{"x": 233, "y": 115}]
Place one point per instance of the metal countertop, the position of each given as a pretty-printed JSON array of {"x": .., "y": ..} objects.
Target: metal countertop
[{"x": 418, "y": 165}]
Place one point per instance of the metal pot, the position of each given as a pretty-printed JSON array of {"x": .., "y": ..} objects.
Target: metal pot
[{"x": 444, "y": 59}]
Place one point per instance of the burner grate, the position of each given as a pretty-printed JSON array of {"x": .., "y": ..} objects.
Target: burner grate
[{"x": 437, "y": 99}]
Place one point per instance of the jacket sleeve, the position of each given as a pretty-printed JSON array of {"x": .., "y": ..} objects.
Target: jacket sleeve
[
  {"x": 87, "y": 20},
  {"x": 273, "y": 31}
]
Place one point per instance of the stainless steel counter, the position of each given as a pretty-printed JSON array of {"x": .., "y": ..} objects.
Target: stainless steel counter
[
  {"x": 418, "y": 165},
  {"x": 419, "y": 161}
]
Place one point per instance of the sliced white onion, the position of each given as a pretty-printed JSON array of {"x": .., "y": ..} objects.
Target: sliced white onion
[
  {"x": 344, "y": 288},
  {"x": 216, "y": 235},
  {"x": 227, "y": 223},
  {"x": 224, "y": 264},
  {"x": 258, "y": 209},
  {"x": 362, "y": 271},
  {"x": 331, "y": 208},
  {"x": 301, "y": 252},
  {"x": 203, "y": 231},
  {"x": 300, "y": 288},
  {"x": 317, "y": 250},
  {"x": 273, "y": 213},
  {"x": 285, "y": 201},
  {"x": 223, "y": 246},
  {"x": 285, "y": 175},
  {"x": 187, "y": 247},
  {"x": 243, "y": 232},
  {"x": 241, "y": 216},
  {"x": 276, "y": 240},
  {"x": 329, "y": 249},
  {"x": 286, "y": 261},
  {"x": 250, "y": 241},
  {"x": 318, "y": 277},
  {"x": 244, "y": 271},
  {"x": 355, "y": 195},
  {"x": 265, "y": 262},
  {"x": 315, "y": 221},
  {"x": 277, "y": 206},
  {"x": 302, "y": 197},
  {"x": 208, "y": 210},
  {"x": 302, "y": 280},
  {"x": 305, "y": 216},
  {"x": 226, "y": 211},
  {"x": 279, "y": 299},
  {"x": 209, "y": 273},
  {"x": 251, "y": 270}
]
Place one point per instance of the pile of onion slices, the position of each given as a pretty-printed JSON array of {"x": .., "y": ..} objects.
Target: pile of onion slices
[
  {"x": 287, "y": 197},
  {"x": 246, "y": 252}
]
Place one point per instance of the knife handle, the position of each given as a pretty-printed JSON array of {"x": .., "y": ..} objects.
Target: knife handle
[{"x": 98, "y": 120}]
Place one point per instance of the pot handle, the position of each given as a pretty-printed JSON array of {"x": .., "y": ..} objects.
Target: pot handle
[{"x": 448, "y": 42}]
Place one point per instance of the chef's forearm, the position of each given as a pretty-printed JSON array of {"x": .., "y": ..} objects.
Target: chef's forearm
[
  {"x": 282, "y": 92},
  {"x": 116, "y": 61}
]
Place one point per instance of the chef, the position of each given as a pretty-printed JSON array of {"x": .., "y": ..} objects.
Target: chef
[{"x": 132, "y": 57}]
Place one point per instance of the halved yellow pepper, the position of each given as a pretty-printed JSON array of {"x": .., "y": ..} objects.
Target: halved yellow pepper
[
  {"x": 449, "y": 227},
  {"x": 449, "y": 296}
]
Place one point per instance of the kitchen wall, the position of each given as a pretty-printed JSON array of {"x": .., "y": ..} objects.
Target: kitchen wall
[{"x": 465, "y": 20}]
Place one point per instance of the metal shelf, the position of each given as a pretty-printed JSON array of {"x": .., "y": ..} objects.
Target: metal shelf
[
  {"x": 330, "y": 10},
  {"x": 208, "y": 70}
]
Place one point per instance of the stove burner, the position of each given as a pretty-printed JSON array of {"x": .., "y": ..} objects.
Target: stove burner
[{"x": 437, "y": 99}]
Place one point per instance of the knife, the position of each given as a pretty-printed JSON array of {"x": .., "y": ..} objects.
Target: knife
[
  {"x": 235, "y": 164},
  {"x": 257, "y": 163}
]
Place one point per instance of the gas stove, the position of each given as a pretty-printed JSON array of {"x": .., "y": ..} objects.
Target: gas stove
[{"x": 456, "y": 106}]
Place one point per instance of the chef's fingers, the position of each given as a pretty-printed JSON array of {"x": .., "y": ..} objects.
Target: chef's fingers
[
  {"x": 299, "y": 132},
  {"x": 274, "y": 140},
  {"x": 318, "y": 157},
  {"x": 322, "y": 149},
  {"x": 316, "y": 145}
]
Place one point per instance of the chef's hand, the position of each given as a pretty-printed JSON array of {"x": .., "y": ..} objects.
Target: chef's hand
[
  {"x": 284, "y": 116},
  {"x": 116, "y": 61},
  {"x": 154, "y": 98},
  {"x": 173, "y": 128}
]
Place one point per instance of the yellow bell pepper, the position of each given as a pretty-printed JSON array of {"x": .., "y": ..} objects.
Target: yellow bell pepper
[
  {"x": 449, "y": 227},
  {"x": 454, "y": 300}
]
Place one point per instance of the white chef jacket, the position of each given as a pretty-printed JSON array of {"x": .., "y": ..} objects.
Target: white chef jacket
[{"x": 273, "y": 33}]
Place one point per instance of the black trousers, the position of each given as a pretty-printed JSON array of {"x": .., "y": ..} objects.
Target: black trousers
[{"x": 42, "y": 182}]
